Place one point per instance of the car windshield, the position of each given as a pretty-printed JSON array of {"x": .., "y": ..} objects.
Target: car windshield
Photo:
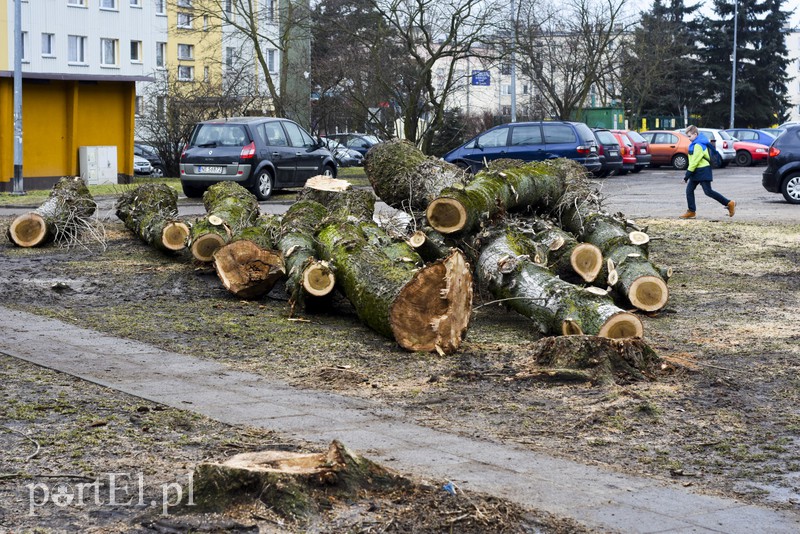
[
  {"x": 371, "y": 139},
  {"x": 636, "y": 137},
  {"x": 605, "y": 137},
  {"x": 725, "y": 135},
  {"x": 209, "y": 135}
]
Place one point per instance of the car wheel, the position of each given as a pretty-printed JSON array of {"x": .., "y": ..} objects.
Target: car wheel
[
  {"x": 622, "y": 172},
  {"x": 158, "y": 171},
  {"x": 192, "y": 191},
  {"x": 791, "y": 189},
  {"x": 680, "y": 162},
  {"x": 329, "y": 171},
  {"x": 743, "y": 158},
  {"x": 263, "y": 188},
  {"x": 637, "y": 169}
]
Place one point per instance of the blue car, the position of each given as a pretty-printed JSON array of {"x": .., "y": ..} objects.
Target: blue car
[
  {"x": 751, "y": 135},
  {"x": 529, "y": 141}
]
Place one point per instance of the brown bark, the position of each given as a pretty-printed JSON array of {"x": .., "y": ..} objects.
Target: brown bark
[{"x": 247, "y": 270}]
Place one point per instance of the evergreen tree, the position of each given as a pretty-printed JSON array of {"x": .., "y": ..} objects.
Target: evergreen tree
[{"x": 761, "y": 64}]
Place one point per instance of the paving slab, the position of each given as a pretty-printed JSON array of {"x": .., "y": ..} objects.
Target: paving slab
[{"x": 594, "y": 496}]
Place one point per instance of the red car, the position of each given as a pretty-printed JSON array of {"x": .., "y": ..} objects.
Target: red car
[
  {"x": 641, "y": 147},
  {"x": 627, "y": 152},
  {"x": 748, "y": 154}
]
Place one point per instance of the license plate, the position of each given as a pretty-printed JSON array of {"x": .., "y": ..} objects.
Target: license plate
[
  {"x": 642, "y": 151},
  {"x": 206, "y": 169},
  {"x": 612, "y": 153}
]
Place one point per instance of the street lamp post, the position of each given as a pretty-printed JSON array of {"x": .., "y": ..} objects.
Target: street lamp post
[
  {"x": 18, "y": 187},
  {"x": 513, "y": 64},
  {"x": 733, "y": 74}
]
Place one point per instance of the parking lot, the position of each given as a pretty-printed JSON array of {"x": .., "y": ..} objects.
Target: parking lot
[{"x": 660, "y": 193}]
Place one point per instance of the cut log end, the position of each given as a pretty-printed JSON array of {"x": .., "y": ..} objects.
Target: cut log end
[
  {"x": 174, "y": 236},
  {"x": 247, "y": 270},
  {"x": 648, "y": 293},
  {"x": 622, "y": 325},
  {"x": 28, "y": 230},
  {"x": 447, "y": 215},
  {"x": 587, "y": 261},
  {"x": 318, "y": 279},
  {"x": 432, "y": 311},
  {"x": 326, "y": 183},
  {"x": 571, "y": 328},
  {"x": 203, "y": 247},
  {"x": 417, "y": 239},
  {"x": 638, "y": 238}
]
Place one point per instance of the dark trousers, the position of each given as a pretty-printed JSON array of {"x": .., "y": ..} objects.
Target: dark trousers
[{"x": 691, "y": 185}]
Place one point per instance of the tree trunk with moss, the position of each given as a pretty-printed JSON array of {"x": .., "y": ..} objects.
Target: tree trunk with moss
[
  {"x": 494, "y": 192},
  {"x": 405, "y": 178},
  {"x": 556, "y": 306},
  {"x": 294, "y": 485},
  {"x": 151, "y": 212},
  {"x": 264, "y": 232},
  {"x": 561, "y": 252},
  {"x": 62, "y": 217},
  {"x": 339, "y": 199},
  {"x": 308, "y": 277},
  {"x": 229, "y": 208},
  {"x": 422, "y": 308}
]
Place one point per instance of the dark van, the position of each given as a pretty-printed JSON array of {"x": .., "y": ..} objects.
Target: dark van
[{"x": 529, "y": 141}]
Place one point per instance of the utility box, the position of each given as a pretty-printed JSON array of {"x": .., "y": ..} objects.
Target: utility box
[
  {"x": 608, "y": 117},
  {"x": 98, "y": 164}
]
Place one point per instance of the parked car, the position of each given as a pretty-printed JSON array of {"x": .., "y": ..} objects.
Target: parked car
[
  {"x": 529, "y": 141},
  {"x": 150, "y": 154},
  {"x": 668, "y": 148},
  {"x": 782, "y": 174},
  {"x": 748, "y": 153},
  {"x": 141, "y": 166},
  {"x": 641, "y": 148},
  {"x": 723, "y": 143},
  {"x": 608, "y": 152},
  {"x": 345, "y": 157},
  {"x": 774, "y": 131},
  {"x": 357, "y": 141},
  {"x": 627, "y": 151},
  {"x": 751, "y": 135},
  {"x": 263, "y": 154}
]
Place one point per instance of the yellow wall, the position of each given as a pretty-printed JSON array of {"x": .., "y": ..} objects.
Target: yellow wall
[
  {"x": 6, "y": 62},
  {"x": 58, "y": 117},
  {"x": 208, "y": 49}
]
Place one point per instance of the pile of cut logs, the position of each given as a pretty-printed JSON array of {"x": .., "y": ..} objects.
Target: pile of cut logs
[{"x": 533, "y": 234}]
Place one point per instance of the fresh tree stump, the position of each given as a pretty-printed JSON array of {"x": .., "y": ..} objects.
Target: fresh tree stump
[
  {"x": 62, "y": 217},
  {"x": 339, "y": 198},
  {"x": 229, "y": 207},
  {"x": 247, "y": 270},
  {"x": 423, "y": 309},
  {"x": 556, "y": 306},
  {"x": 151, "y": 212},
  {"x": 294, "y": 485},
  {"x": 405, "y": 178}
]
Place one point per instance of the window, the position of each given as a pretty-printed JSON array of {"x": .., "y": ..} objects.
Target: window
[
  {"x": 228, "y": 6},
  {"x": 108, "y": 4},
  {"x": 205, "y": 23},
  {"x": 185, "y": 73},
  {"x": 161, "y": 107},
  {"x": 108, "y": 52},
  {"x": 76, "y": 48},
  {"x": 505, "y": 69},
  {"x": 230, "y": 54},
  {"x": 136, "y": 51},
  {"x": 161, "y": 53},
  {"x": 274, "y": 134},
  {"x": 271, "y": 60},
  {"x": 136, "y": 3},
  {"x": 526, "y": 135},
  {"x": 271, "y": 9},
  {"x": 24, "y": 46},
  {"x": 525, "y": 89},
  {"x": 48, "y": 45},
  {"x": 185, "y": 51},
  {"x": 559, "y": 133},
  {"x": 184, "y": 20},
  {"x": 139, "y": 103},
  {"x": 494, "y": 138},
  {"x": 205, "y": 74},
  {"x": 184, "y": 3},
  {"x": 79, "y": 3},
  {"x": 507, "y": 89},
  {"x": 161, "y": 7}
]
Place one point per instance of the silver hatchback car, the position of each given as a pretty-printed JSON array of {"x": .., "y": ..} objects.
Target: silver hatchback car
[{"x": 723, "y": 142}]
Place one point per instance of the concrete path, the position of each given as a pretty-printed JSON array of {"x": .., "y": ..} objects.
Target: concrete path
[{"x": 596, "y": 497}]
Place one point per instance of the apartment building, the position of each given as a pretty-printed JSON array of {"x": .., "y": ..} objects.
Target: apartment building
[{"x": 80, "y": 62}]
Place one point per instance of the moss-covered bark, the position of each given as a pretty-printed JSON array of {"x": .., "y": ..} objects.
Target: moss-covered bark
[
  {"x": 358, "y": 203},
  {"x": 151, "y": 212},
  {"x": 61, "y": 217},
  {"x": 264, "y": 232},
  {"x": 229, "y": 208},
  {"x": 557, "y": 307},
  {"x": 405, "y": 178},
  {"x": 571, "y": 260}
]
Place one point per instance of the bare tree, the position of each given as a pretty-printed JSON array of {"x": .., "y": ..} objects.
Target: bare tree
[{"x": 565, "y": 49}]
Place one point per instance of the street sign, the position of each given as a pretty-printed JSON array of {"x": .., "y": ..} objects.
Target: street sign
[{"x": 481, "y": 77}]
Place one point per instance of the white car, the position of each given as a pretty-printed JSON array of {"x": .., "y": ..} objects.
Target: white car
[
  {"x": 723, "y": 142},
  {"x": 141, "y": 166}
]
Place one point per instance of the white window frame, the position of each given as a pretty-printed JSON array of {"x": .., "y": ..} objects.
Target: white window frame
[
  {"x": 230, "y": 56},
  {"x": 48, "y": 44},
  {"x": 272, "y": 56},
  {"x": 206, "y": 74},
  {"x": 136, "y": 3},
  {"x": 185, "y": 73},
  {"x": 80, "y": 49},
  {"x": 104, "y": 59},
  {"x": 186, "y": 51},
  {"x": 188, "y": 23},
  {"x": 184, "y": 3},
  {"x": 76, "y": 3},
  {"x": 136, "y": 51},
  {"x": 161, "y": 50},
  {"x": 112, "y": 7},
  {"x": 161, "y": 7},
  {"x": 25, "y": 46}
]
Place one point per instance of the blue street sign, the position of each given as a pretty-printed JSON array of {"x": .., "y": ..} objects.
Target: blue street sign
[{"x": 481, "y": 77}]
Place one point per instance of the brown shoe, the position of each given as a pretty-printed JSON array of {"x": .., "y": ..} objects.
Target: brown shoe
[
  {"x": 731, "y": 208},
  {"x": 689, "y": 215}
]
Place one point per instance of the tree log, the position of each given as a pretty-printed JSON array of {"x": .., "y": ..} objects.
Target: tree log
[
  {"x": 229, "y": 208},
  {"x": 493, "y": 192},
  {"x": 564, "y": 255},
  {"x": 60, "y": 218},
  {"x": 423, "y": 309},
  {"x": 294, "y": 485},
  {"x": 556, "y": 306},
  {"x": 405, "y": 178},
  {"x": 151, "y": 212},
  {"x": 264, "y": 232},
  {"x": 340, "y": 200},
  {"x": 247, "y": 270}
]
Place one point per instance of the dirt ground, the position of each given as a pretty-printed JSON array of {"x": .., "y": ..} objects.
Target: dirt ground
[{"x": 725, "y": 422}]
